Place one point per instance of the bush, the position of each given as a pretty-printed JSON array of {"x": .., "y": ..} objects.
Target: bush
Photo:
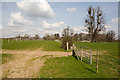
[
  {"x": 65, "y": 40},
  {"x": 67, "y": 37}
]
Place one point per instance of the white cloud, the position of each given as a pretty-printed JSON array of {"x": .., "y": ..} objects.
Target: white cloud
[
  {"x": 80, "y": 30},
  {"x": 40, "y": 29},
  {"x": 22, "y": 30},
  {"x": 53, "y": 25},
  {"x": 84, "y": 29},
  {"x": 17, "y": 20},
  {"x": 77, "y": 29},
  {"x": 115, "y": 20},
  {"x": 36, "y": 8},
  {"x": 47, "y": 28},
  {"x": 103, "y": 32},
  {"x": 12, "y": 31},
  {"x": 49, "y": 31},
  {"x": 107, "y": 26},
  {"x": 1, "y": 27},
  {"x": 71, "y": 9}
]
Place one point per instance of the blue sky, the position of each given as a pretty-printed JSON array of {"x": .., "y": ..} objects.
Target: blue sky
[
  {"x": 68, "y": 0},
  {"x": 60, "y": 17}
]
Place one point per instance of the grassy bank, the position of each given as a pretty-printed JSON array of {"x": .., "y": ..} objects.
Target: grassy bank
[{"x": 32, "y": 45}]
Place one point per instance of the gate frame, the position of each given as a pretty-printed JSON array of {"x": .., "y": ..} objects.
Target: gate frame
[{"x": 81, "y": 47}]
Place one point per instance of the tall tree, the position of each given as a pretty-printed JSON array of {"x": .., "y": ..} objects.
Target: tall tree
[{"x": 94, "y": 22}]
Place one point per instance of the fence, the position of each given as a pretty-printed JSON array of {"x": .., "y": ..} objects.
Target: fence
[{"x": 83, "y": 53}]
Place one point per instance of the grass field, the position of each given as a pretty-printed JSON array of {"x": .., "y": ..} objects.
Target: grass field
[
  {"x": 32, "y": 45},
  {"x": 69, "y": 67}
]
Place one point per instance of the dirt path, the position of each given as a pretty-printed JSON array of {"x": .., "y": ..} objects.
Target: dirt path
[{"x": 27, "y": 64}]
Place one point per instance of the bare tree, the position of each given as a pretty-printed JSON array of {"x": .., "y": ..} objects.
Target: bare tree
[
  {"x": 110, "y": 36},
  {"x": 46, "y": 37},
  {"x": 101, "y": 37},
  {"x": 94, "y": 22},
  {"x": 75, "y": 37},
  {"x": 37, "y": 36},
  {"x": 26, "y": 37},
  {"x": 56, "y": 36}
]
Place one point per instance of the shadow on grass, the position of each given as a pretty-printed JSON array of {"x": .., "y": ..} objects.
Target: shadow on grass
[
  {"x": 73, "y": 54},
  {"x": 85, "y": 60},
  {"x": 90, "y": 70}
]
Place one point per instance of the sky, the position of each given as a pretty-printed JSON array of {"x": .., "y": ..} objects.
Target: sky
[{"x": 20, "y": 18}]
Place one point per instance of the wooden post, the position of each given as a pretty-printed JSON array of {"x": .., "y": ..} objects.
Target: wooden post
[
  {"x": 8, "y": 40},
  {"x": 73, "y": 46},
  {"x": 73, "y": 53},
  {"x": 97, "y": 62},
  {"x": 81, "y": 55},
  {"x": 67, "y": 46},
  {"x": 91, "y": 57},
  {"x": 77, "y": 52}
]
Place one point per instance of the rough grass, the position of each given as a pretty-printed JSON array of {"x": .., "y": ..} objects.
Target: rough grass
[
  {"x": 32, "y": 45},
  {"x": 6, "y": 58},
  {"x": 69, "y": 67}
]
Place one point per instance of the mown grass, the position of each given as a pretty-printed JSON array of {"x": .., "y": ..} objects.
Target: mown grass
[
  {"x": 32, "y": 45},
  {"x": 69, "y": 67}
]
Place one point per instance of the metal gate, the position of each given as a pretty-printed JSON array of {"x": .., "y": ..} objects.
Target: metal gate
[{"x": 83, "y": 53}]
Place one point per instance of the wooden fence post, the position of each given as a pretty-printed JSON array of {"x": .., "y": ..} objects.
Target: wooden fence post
[
  {"x": 91, "y": 57},
  {"x": 73, "y": 46},
  {"x": 73, "y": 53},
  {"x": 67, "y": 46},
  {"x": 97, "y": 62},
  {"x": 8, "y": 40}
]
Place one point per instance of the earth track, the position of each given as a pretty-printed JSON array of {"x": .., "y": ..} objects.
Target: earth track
[{"x": 28, "y": 64}]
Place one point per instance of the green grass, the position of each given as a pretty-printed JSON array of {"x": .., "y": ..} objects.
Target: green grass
[
  {"x": 69, "y": 67},
  {"x": 111, "y": 47},
  {"x": 6, "y": 58},
  {"x": 32, "y": 45}
]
